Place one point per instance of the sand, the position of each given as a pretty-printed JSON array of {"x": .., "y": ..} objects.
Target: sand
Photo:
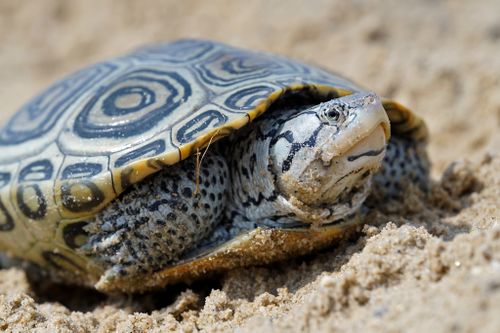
[{"x": 430, "y": 263}]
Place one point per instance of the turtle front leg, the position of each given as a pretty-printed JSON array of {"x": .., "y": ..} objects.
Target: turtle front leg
[{"x": 154, "y": 223}]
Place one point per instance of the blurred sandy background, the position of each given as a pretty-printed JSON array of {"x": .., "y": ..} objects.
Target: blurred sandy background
[{"x": 431, "y": 263}]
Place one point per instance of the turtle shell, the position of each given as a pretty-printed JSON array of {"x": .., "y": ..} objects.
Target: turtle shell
[{"x": 75, "y": 147}]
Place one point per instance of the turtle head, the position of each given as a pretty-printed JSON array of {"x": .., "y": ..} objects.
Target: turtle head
[{"x": 324, "y": 157}]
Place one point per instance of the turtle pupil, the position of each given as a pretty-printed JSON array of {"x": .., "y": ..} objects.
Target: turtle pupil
[{"x": 333, "y": 114}]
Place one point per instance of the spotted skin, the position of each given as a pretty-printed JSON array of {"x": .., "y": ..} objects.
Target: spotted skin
[
  {"x": 253, "y": 187},
  {"x": 158, "y": 220},
  {"x": 405, "y": 162}
]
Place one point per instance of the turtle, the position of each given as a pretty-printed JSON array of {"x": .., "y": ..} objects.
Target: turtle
[{"x": 191, "y": 157}]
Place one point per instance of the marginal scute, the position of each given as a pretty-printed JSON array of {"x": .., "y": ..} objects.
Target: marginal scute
[
  {"x": 201, "y": 121},
  {"x": 81, "y": 196},
  {"x": 37, "y": 171},
  {"x": 31, "y": 201},
  {"x": 74, "y": 234},
  {"x": 81, "y": 170},
  {"x": 404, "y": 122},
  {"x": 154, "y": 148}
]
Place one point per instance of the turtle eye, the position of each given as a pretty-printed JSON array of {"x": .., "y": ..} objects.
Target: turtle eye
[{"x": 333, "y": 114}]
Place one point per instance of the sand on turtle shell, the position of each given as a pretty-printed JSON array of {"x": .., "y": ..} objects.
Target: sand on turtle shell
[{"x": 429, "y": 263}]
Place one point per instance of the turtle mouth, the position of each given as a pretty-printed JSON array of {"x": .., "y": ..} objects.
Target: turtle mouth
[{"x": 357, "y": 164}]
